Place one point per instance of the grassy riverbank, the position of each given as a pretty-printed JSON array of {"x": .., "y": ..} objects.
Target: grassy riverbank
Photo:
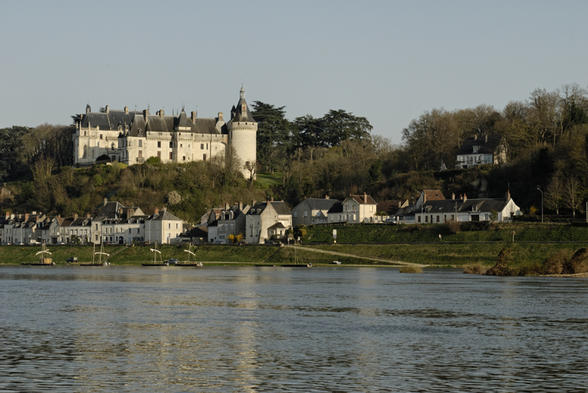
[{"x": 137, "y": 255}]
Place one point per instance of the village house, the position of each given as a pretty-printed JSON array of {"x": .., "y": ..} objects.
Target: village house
[
  {"x": 312, "y": 211},
  {"x": 359, "y": 209},
  {"x": 227, "y": 224},
  {"x": 467, "y": 210},
  {"x": 163, "y": 227},
  {"x": 262, "y": 216},
  {"x": 481, "y": 150}
]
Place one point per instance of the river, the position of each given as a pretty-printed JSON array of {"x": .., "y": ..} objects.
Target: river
[{"x": 246, "y": 329}]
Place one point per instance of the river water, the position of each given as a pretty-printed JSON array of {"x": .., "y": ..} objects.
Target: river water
[{"x": 219, "y": 329}]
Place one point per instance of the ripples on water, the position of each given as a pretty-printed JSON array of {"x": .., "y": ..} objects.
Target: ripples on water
[{"x": 271, "y": 329}]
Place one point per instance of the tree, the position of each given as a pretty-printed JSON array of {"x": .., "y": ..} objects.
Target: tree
[
  {"x": 273, "y": 136},
  {"x": 572, "y": 194},
  {"x": 554, "y": 193}
]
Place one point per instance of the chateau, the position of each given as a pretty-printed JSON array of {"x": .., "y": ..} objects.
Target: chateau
[{"x": 132, "y": 137}]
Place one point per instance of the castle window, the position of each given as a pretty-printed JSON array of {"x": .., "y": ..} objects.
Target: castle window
[
  {"x": 158, "y": 143},
  {"x": 202, "y": 146},
  {"x": 100, "y": 136},
  {"x": 140, "y": 153},
  {"x": 159, "y": 154},
  {"x": 204, "y": 157},
  {"x": 183, "y": 158},
  {"x": 171, "y": 155},
  {"x": 171, "y": 144},
  {"x": 140, "y": 143}
]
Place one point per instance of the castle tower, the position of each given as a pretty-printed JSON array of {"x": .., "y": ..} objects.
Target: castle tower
[{"x": 243, "y": 136}]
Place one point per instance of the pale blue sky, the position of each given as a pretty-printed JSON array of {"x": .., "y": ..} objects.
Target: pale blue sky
[{"x": 386, "y": 60}]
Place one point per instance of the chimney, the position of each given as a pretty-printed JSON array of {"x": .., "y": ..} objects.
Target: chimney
[
  {"x": 126, "y": 110},
  {"x": 75, "y": 216},
  {"x": 161, "y": 113},
  {"x": 475, "y": 137},
  {"x": 220, "y": 116},
  {"x": 465, "y": 197},
  {"x": 507, "y": 195},
  {"x": 145, "y": 114},
  {"x": 364, "y": 197},
  {"x": 193, "y": 117},
  {"x": 326, "y": 196},
  {"x": 227, "y": 206},
  {"x": 240, "y": 206},
  {"x": 453, "y": 196},
  {"x": 156, "y": 211},
  {"x": 486, "y": 138},
  {"x": 88, "y": 108},
  {"x": 107, "y": 109},
  {"x": 26, "y": 217},
  {"x": 105, "y": 201},
  {"x": 88, "y": 215},
  {"x": 7, "y": 215}
]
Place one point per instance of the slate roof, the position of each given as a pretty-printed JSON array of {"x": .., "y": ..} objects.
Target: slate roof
[
  {"x": 164, "y": 215},
  {"x": 336, "y": 208},
  {"x": 279, "y": 206},
  {"x": 363, "y": 201},
  {"x": 485, "y": 145},
  {"x": 136, "y": 123},
  {"x": 237, "y": 113},
  {"x": 452, "y": 206},
  {"x": 319, "y": 203}
]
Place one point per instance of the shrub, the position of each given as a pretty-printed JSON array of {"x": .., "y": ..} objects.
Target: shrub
[{"x": 475, "y": 268}]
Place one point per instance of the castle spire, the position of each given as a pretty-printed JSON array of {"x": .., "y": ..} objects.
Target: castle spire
[{"x": 242, "y": 92}]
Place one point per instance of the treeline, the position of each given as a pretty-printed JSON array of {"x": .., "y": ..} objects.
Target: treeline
[
  {"x": 545, "y": 136},
  {"x": 546, "y": 140}
]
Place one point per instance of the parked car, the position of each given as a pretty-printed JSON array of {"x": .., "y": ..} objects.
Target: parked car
[{"x": 71, "y": 259}]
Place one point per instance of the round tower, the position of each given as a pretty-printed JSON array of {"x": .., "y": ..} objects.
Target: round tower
[{"x": 243, "y": 137}]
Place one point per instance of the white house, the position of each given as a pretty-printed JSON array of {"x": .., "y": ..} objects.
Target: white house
[
  {"x": 359, "y": 209},
  {"x": 481, "y": 150},
  {"x": 262, "y": 216},
  {"x": 465, "y": 210},
  {"x": 162, "y": 227},
  {"x": 227, "y": 223}
]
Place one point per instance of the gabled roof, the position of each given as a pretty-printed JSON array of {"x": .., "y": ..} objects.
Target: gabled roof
[
  {"x": 164, "y": 215},
  {"x": 318, "y": 203},
  {"x": 469, "y": 205},
  {"x": 336, "y": 208},
  {"x": 279, "y": 206},
  {"x": 364, "y": 199},
  {"x": 433, "y": 195},
  {"x": 485, "y": 145},
  {"x": 277, "y": 225}
]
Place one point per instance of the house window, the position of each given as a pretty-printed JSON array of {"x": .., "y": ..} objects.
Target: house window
[
  {"x": 204, "y": 157},
  {"x": 140, "y": 143},
  {"x": 427, "y": 219},
  {"x": 171, "y": 155},
  {"x": 168, "y": 226},
  {"x": 437, "y": 218}
]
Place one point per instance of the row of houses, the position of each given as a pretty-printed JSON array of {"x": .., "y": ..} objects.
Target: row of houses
[
  {"x": 262, "y": 222},
  {"x": 258, "y": 223},
  {"x": 112, "y": 223}
]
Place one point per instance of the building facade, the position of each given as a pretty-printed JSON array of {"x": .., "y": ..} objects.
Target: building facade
[{"x": 132, "y": 137}]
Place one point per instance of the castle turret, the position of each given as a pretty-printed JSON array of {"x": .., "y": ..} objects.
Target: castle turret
[{"x": 243, "y": 137}]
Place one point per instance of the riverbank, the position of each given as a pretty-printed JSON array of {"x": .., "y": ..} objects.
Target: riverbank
[{"x": 433, "y": 254}]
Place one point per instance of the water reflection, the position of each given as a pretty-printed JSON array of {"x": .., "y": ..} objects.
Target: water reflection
[{"x": 277, "y": 329}]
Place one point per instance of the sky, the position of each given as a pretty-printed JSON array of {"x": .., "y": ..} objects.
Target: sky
[{"x": 389, "y": 61}]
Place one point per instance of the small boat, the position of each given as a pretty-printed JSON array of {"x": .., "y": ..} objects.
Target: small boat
[
  {"x": 100, "y": 254},
  {"x": 156, "y": 261},
  {"x": 44, "y": 259},
  {"x": 190, "y": 262},
  {"x": 336, "y": 262}
]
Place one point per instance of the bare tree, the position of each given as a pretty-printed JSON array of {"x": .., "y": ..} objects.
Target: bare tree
[
  {"x": 554, "y": 194},
  {"x": 572, "y": 194}
]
